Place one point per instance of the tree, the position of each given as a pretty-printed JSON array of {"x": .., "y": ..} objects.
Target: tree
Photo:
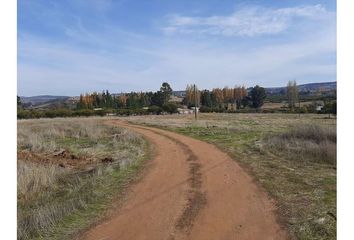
[
  {"x": 19, "y": 103},
  {"x": 158, "y": 99},
  {"x": 293, "y": 94},
  {"x": 161, "y": 97},
  {"x": 80, "y": 104},
  {"x": 228, "y": 94},
  {"x": 192, "y": 96},
  {"x": 145, "y": 98},
  {"x": 170, "y": 107},
  {"x": 166, "y": 92},
  {"x": 218, "y": 97},
  {"x": 109, "y": 100},
  {"x": 166, "y": 88},
  {"x": 246, "y": 101},
  {"x": 205, "y": 98},
  {"x": 238, "y": 94},
  {"x": 257, "y": 95},
  {"x": 133, "y": 101},
  {"x": 330, "y": 107},
  {"x": 188, "y": 100},
  {"x": 122, "y": 100},
  {"x": 334, "y": 107}
]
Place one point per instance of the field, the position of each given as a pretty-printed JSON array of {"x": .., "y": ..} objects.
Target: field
[
  {"x": 292, "y": 158},
  {"x": 69, "y": 170}
]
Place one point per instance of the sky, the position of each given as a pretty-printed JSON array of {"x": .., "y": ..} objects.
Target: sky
[{"x": 69, "y": 47}]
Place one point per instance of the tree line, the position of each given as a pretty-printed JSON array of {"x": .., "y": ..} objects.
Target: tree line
[
  {"x": 216, "y": 98},
  {"x": 133, "y": 100},
  {"x": 234, "y": 99}
]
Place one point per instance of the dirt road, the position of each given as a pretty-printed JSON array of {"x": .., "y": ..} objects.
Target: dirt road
[{"x": 192, "y": 190}]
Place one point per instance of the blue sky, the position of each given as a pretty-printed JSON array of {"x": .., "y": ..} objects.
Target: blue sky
[{"x": 69, "y": 47}]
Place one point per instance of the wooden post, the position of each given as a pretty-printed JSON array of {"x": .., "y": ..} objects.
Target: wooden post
[{"x": 195, "y": 103}]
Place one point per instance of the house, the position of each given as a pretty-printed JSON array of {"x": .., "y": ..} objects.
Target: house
[
  {"x": 319, "y": 108},
  {"x": 185, "y": 111},
  {"x": 318, "y": 105}
]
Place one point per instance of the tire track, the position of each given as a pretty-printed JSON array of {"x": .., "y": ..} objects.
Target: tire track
[
  {"x": 196, "y": 199},
  {"x": 198, "y": 194}
]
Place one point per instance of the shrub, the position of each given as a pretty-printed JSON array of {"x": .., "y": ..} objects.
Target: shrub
[
  {"x": 205, "y": 109},
  {"x": 170, "y": 108},
  {"x": 155, "y": 110},
  {"x": 23, "y": 114},
  {"x": 84, "y": 112}
]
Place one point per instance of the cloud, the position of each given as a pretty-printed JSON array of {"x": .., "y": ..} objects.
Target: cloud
[
  {"x": 247, "y": 21},
  {"x": 87, "y": 58},
  {"x": 49, "y": 67}
]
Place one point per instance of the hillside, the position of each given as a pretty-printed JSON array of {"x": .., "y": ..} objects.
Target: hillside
[
  {"x": 307, "y": 88},
  {"x": 48, "y": 101}
]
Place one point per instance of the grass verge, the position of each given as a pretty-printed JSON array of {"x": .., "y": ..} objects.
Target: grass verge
[{"x": 59, "y": 196}]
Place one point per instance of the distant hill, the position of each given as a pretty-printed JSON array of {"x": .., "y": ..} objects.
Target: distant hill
[
  {"x": 35, "y": 100},
  {"x": 306, "y": 88},
  {"x": 49, "y": 102}
]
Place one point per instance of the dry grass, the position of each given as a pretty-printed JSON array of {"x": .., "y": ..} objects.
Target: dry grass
[
  {"x": 292, "y": 158},
  {"x": 86, "y": 137},
  {"x": 33, "y": 178},
  {"x": 52, "y": 194},
  {"x": 307, "y": 142}
]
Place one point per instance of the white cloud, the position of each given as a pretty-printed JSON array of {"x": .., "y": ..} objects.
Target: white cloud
[
  {"x": 110, "y": 58},
  {"x": 247, "y": 21},
  {"x": 73, "y": 70}
]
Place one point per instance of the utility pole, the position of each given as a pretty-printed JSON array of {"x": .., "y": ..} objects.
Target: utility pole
[
  {"x": 195, "y": 103},
  {"x": 299, "y": 105}
]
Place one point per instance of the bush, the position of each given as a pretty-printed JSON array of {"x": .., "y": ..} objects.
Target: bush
[
  {"x": 28, "y": 114},
  {"x": 155, "y": 110},
  {"x": 170, "y": 108},
  {"x": 205, "y": 109},
  {"x": 84, "y": 112},
  {"x": 23, "y": 114}
]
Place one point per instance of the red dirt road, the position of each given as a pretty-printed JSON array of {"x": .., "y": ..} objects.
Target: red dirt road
[{"x": 192, "y": 190}]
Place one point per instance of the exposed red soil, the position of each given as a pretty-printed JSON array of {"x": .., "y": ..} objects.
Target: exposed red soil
[
  {"x": 61, "y": 158},
  {"x": 191, "y": 191}
]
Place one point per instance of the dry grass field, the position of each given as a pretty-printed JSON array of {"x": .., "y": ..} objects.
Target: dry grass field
[
  {"x": 68, "y": 172},
  {"x": 293, "y": 158}
]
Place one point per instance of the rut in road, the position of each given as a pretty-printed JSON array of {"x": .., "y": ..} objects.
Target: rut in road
[{"x": 191, "y": 190}]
